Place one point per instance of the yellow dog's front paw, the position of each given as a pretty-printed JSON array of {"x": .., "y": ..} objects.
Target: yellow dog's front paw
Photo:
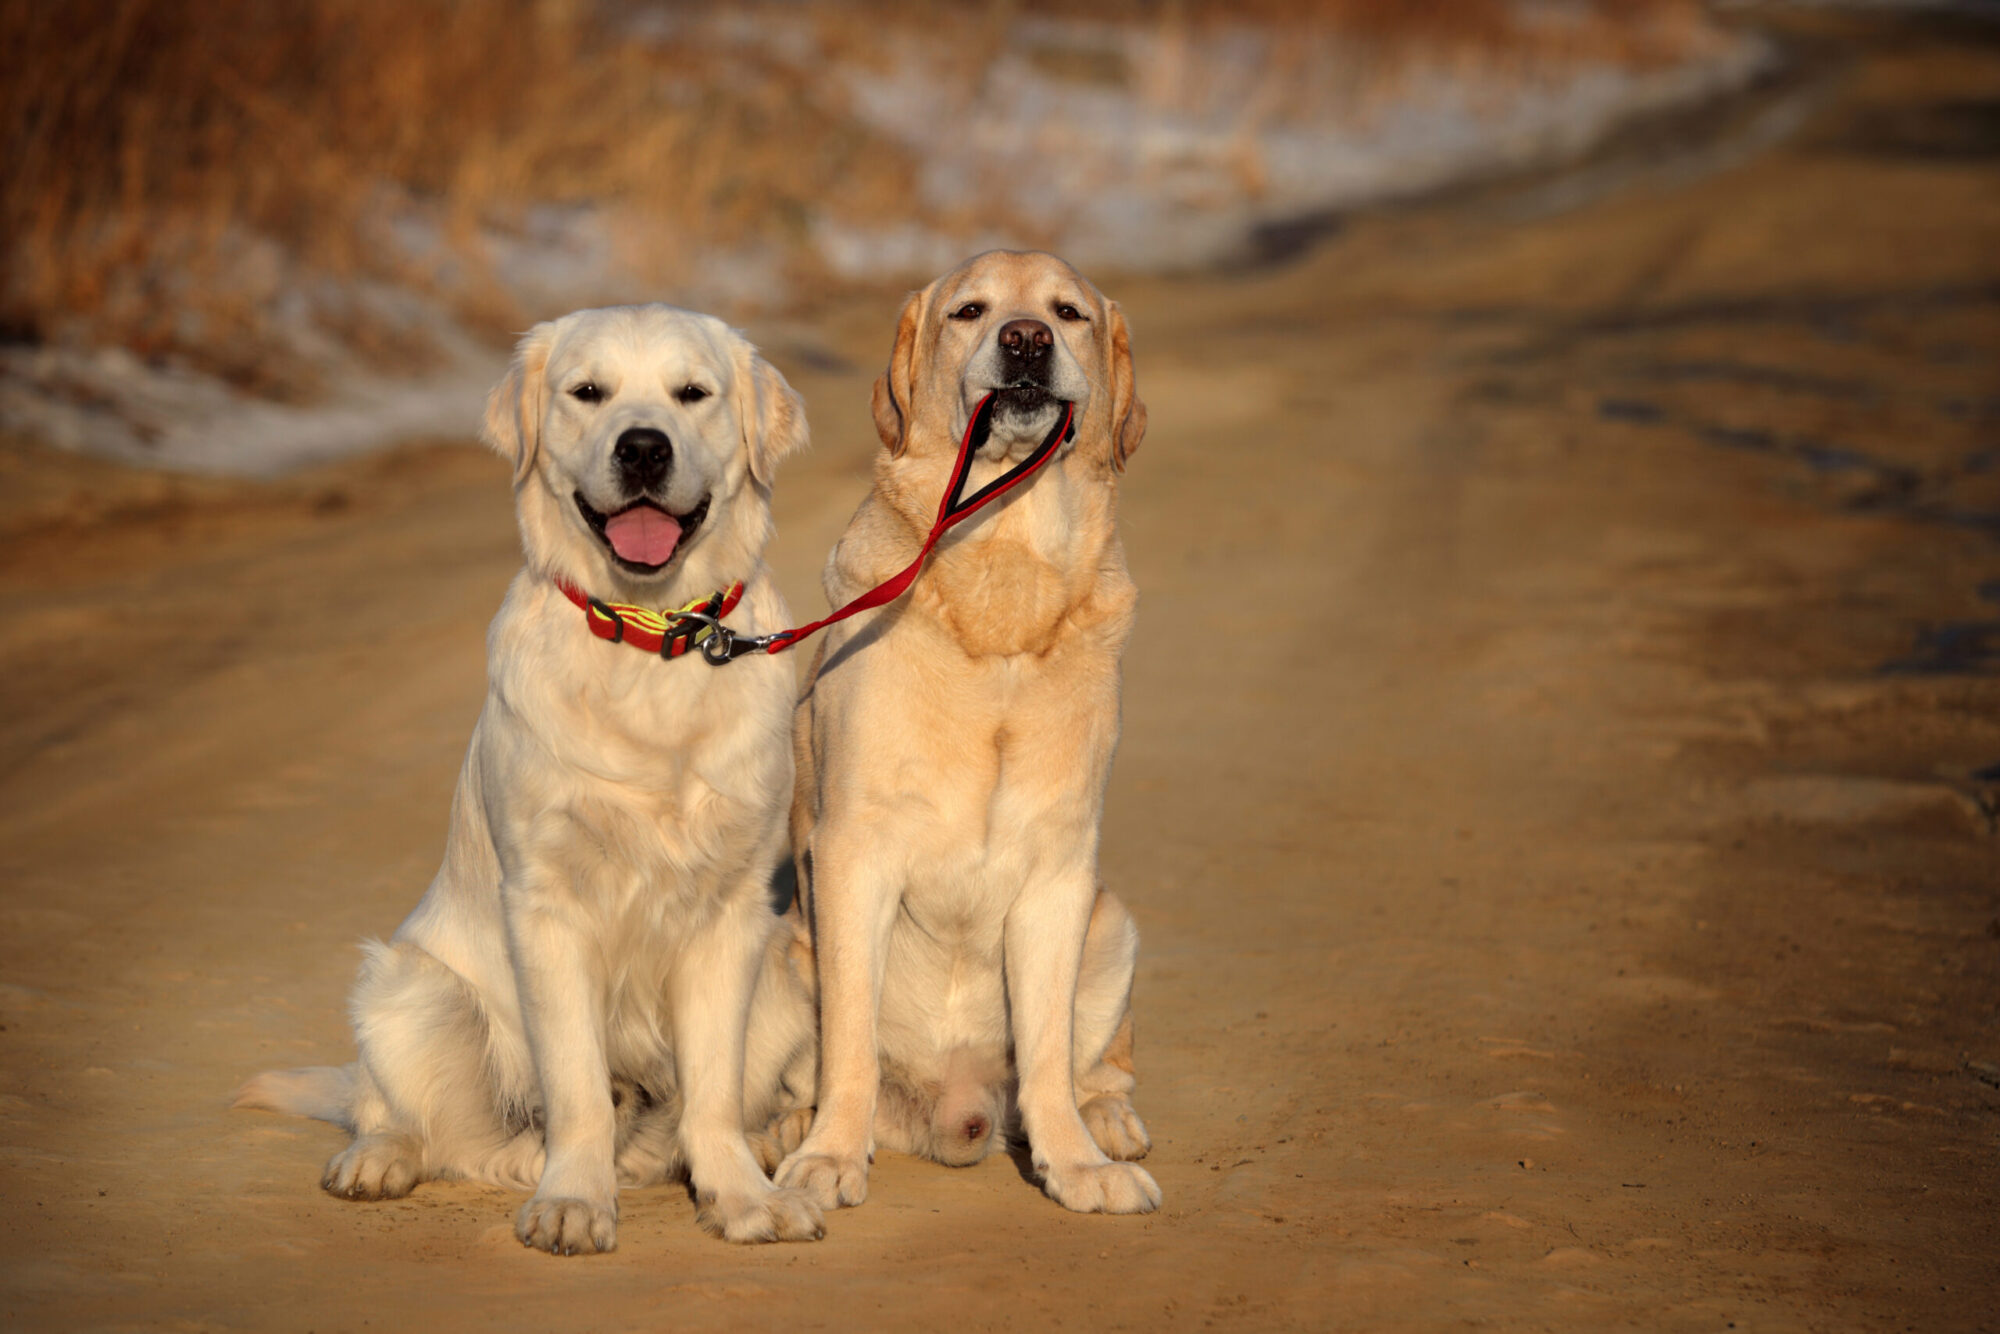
[
  {"x": 1102, "y": 1188},
  {"x": 1116, "y": 1127},
  {"x": 785, "y": 1133}
]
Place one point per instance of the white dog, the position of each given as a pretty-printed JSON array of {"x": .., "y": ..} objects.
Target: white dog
[
  {"x": 953, "y": 750},
  {"x": 567, "y": 1006}
]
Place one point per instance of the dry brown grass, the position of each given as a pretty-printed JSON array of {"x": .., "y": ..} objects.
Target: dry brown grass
[
  {"x": 175, "y": 168},
  {"x": 150, "y": 141}
]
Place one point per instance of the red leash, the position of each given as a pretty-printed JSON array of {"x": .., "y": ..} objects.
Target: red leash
[
  {"x": 951, "y": 513},
  {"x": 725, "y": 645}
]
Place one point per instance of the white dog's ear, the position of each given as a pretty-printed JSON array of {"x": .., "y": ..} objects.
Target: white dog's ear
[
  {"x": 772, "y": 413},
  {"x": 514, "y": 409},
  {"x": 1128, "y": 414},
  {"x": 896, "y": 388}
]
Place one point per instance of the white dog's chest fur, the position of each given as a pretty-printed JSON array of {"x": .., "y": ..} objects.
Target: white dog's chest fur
[{"x": 630, "y": 800}]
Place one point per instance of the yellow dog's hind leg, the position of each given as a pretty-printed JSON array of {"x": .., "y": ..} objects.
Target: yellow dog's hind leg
[{"x": 1104, "y": 1073}]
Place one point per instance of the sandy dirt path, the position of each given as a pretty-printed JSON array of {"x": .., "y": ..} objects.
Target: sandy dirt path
[{"x": 1555, "y": 796}]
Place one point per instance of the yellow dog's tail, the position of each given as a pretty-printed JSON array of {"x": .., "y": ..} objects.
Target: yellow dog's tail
[{"x": 324, "y": 1092}]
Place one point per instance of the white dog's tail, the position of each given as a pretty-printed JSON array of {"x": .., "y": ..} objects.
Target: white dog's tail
[{"x": 324, "y": 1092}]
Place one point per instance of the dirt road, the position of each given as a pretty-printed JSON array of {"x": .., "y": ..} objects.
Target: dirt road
[{"x": 1555, "y": 795}]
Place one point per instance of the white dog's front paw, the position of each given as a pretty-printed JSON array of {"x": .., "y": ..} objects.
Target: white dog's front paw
[
  {"x": 567, "y": 1226},
  {"x": 1102, "y": 1188},
  {"x": 373, "y": 1167},
  {"x": 1116, "y": 1127},
  {"x": 833, "y": 1181},
  {"x": 772, "y": 1214}
]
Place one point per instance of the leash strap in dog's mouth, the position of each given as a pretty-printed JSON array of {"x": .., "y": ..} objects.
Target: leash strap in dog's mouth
[
  {"x": 952, "y": 511},
  {"x": 701, "y": 624}
]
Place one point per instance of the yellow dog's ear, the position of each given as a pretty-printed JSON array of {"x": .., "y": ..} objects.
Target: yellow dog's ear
[
  {"x": 896, "y": 388},
  {"x": 773, "y": 415},
  {"x": 1128, "y": 414},
  {"x": 514, "y": 409}
]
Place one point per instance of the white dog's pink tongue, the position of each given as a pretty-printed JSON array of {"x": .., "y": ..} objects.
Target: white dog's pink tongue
[{"x": 643, "y": 535}]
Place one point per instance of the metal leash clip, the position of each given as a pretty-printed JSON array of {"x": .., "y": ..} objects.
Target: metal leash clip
[{"x": 724, "y": 644}]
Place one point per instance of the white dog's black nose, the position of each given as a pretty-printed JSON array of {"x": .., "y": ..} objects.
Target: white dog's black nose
[
  {"x": 643, "y": 456},
  {"x": 1025, "y": 347}
]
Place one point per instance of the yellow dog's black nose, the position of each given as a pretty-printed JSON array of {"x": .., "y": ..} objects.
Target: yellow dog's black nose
[{"x": 1025, "y": 345}]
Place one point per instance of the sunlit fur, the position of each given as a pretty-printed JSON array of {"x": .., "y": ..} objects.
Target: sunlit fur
[
  {"x": 566, "y": 1008},
  {"x": 953, "y": 751}
]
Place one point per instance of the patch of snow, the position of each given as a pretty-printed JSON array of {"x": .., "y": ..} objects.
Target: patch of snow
[
  {"x": 109, "y": 403},
  {"x": 1180, "y": 151}
]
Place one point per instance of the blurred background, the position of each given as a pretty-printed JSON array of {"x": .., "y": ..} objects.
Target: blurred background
[
  {"x": 1560, "y": 775},
  {"x": 241, "y": 236}
]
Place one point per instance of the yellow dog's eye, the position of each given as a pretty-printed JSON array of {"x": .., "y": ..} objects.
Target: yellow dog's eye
[
  {"x": 587, "y": 392},
  {"x": 1065, "y": 311},
  {"x": 971, "y": 310},
  {"x": 690, "y": 393}
]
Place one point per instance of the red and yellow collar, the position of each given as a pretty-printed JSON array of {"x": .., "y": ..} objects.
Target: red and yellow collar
[{"x": 667, "y": 633}]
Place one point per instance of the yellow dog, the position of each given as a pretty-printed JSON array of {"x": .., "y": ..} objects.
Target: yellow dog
[{"x": 953, "y": 749}]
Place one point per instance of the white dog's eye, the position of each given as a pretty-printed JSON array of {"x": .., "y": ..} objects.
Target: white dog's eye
[
  {"x": 690, "y": 393},
  {"x": 1065, "y": 311},
  {"x": 971, "y": 310},
  {"x": 587, "y": 392}
]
